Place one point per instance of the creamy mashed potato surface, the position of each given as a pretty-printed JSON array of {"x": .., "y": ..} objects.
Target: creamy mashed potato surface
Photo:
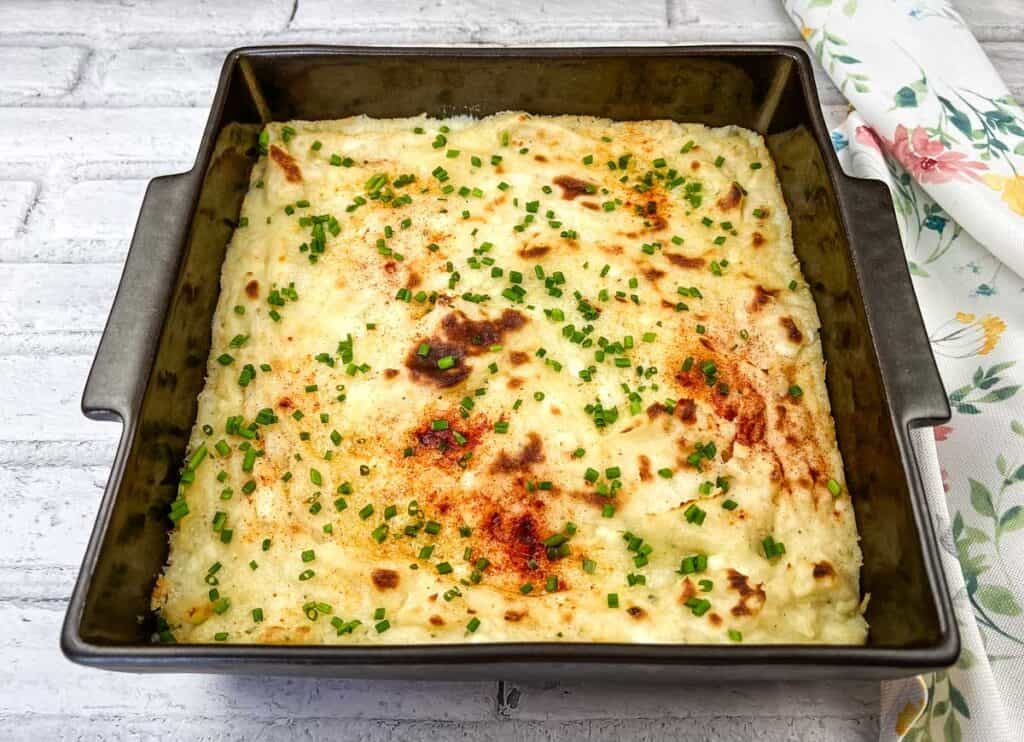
[{"x": 521, "y": 378}]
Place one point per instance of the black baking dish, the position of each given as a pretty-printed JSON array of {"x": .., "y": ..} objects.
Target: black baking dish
[{"x": 881, "y": 374}]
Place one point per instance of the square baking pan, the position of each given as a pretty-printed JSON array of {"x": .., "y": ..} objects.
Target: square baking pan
[{"x": 881, "y": 375}]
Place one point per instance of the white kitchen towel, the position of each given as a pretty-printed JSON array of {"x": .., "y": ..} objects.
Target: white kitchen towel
[
  {"x": 919, "y": 78},
  {"x": 935, "y": 123}
]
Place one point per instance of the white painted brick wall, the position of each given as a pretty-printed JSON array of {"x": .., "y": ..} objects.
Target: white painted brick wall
[
  {"x": 30, "y": 72},
  {"x": 52, "y": 684},
  {"x": 90, "y": 209},
  {"x": 994, "y": 20},
  {"x": 116, "y": 18},
  {"x": 154, "y": 76},
  {"x": 1008, "y": 58},
  {"x": 753, "y": 20},
  {"x": 575, "y": 701},
  {"x": 484, "y": 20},
  {"x": 16, "y": 198},
  {"x": 81, "y": 293},
  {"x": 286, "y": 730},
  {"x": 98, "y": 96},
  {"x": 41, "y": 397},
  {"x": 59, "y": 137},
  {"x": 51, "y": 511},
  {"x": 43, "y": 250}
]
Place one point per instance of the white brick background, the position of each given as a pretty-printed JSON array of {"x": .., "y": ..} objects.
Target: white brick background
[{"x": 98, "y": 96}]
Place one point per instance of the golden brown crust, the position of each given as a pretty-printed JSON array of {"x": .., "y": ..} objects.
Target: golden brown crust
[{"x": 518, "y": 378}]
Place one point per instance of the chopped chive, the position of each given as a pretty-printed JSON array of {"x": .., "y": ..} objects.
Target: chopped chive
[
  {"x": 699, "y": 606},
  {"x": 772, "y": 548},
  {"x": 694, "y": 515}
]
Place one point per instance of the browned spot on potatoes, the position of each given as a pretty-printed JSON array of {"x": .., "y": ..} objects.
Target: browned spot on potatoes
[{"x": 292, "y": 172}]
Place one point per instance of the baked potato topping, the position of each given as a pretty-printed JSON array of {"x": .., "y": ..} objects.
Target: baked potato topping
[{"x": 518, "y": 378}]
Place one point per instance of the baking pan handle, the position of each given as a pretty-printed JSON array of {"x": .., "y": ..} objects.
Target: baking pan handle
[
  {"x": 121, "y": 367},
  {"x": 901, "y": 342}
]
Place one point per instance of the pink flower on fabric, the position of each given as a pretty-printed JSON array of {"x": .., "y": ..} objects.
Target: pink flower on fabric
[
  {"x": 866, "y": 135},
  {"x": 942, "y": 432},
  {"x": 929, "y": 161}
]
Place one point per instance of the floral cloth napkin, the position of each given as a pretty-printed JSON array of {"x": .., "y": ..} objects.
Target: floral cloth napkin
[{"x": 934, "y": 121}]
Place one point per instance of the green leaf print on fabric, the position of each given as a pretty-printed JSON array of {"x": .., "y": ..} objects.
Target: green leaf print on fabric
[
  {"x": 911, "y": 94},
  {"x": 998, "y": 600},
  {"x": 906, "y": 97},
  {"x": 1013, "y": 518},
  {"x": 986, "y": 123},
  {"x": 830, "y": 50},
  {"x": 956, "y": 117},
  {"x": 979, "y": 544},
  {"x": 981, "y": 499},
  {"x": 967, "y": 398}
]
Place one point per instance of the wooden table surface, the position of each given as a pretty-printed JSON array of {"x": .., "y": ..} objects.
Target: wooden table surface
[{"x": 96, "y": 97}]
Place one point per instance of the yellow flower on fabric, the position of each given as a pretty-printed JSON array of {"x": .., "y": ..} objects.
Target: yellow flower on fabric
[
  {"x": 968, "y": 335},
  {"x": 1012, "y": 188},
  {"x": 907, "y": 716},
  {"x": 994, "y": 328},
  {"x": 806, "y": 32}
]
